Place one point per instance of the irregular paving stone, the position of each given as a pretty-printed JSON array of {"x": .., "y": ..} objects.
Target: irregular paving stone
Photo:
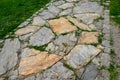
[
  {"x": 8, "y": 55},
  {"x": 38, "y": 21},
  {"x": 66, "y": 12},
  {"x": 63, "y": 44},
  {"x": 56, "y": 72},
  {"x": 26, "y": 30},
  {"x": 57, "y": 3},
  {"x": 78, "y": 24},
  {"x": 106, "y": 43},
  {"x": 87, "y": 18},
  {"x": 88, "y": 7},
  {"x": 66, "y": 5},
  {"x": 54, "y": 9},
  {"x": 92, "y": 27},
  {"x": 46, "y": 15},
  {"x": 43, "y": 36},
  {"x": 80, "y": 55},
  {"x": 88, "y": 38},
  {"x": 105, "y": 59},
  {"x": 40, "y": 61},
  {"x": 61, "y": 25},
  {"x": 90, "y": 73}
]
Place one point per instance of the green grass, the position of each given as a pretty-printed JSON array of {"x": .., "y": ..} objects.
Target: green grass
[
  {"x": 115, "y": 10},
  {"x": 14, "y": 12}
]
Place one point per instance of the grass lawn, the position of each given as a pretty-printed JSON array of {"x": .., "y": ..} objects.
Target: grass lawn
[
  {"x": 115, "y": 10},
  {"x": 14, "y": 12}
]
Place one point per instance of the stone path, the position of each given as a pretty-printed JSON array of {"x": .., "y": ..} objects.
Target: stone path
[{"x": 67, "y": 40}]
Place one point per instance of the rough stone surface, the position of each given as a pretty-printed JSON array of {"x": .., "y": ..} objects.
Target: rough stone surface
[
  {"x": 53, "y": 9},
  {"x": 38, "y": 21},
  {"x": 88, "y": 7},
  {"x": 90, "y": 73},
  {"x": 61, "y": 25},
  {"x": 81, "y": 54},
  {"x": 78, "y": 24},
  {"x": 8, "y": 55},
  {"x": 40, "y": 61},
  {"x": 66, "y": 12},
  {"x": 65, "y": 6},
  {"x": 26, "y": 30},
  {"x": 88, "y": 38},
  {"x": 43, "y": 36},
  {"x": 63, "y": 44},
  {"x": 46, "y": 15},
  {"x": 87, "y": 18},
  {"x": 57, "y": 72}
]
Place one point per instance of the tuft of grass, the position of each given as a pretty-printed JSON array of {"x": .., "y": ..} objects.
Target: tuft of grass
[
  {"x": 113, "y": 71},
  {"x": 14, "y": 12},
  {"x": 100, "y": 38},
  {"x": 40, "y": 48},
  {"x": 112, "y": 52}
]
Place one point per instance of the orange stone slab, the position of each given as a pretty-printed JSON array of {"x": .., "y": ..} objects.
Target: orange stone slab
[
  {"x": 37, "y": 63},
  {"x": 61, "y": 25},
  {"x": 88, "y": 38}
]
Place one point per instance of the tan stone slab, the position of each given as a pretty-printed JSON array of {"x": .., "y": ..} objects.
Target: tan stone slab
[
  {"x": 37, "y": 63},
  {"x": 78, "y": 24},
  {"x": 88, "y": 38},
  {"x": 61, "y": 25},
  {"x": 26, "y": 30}
]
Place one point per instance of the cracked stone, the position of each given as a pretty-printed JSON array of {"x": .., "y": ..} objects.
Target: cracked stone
[
  {"x": 87, "y": 18},
  {"x": 26, "y": 30},
  {"x": 8, "y": 55},
  {"x": 56, "y": 72},
  {"x": 43, "y": 36},
  {"x": 47, "y": 15},
  {"x": 54, "y": 9},
  {"x": 58, "y": 3},
  {"x": 63, "y": 44},
  {"x": 71, "y": 0},
  {"x": 38, "y": 21},
  {"x": 78, "y": 24},
  {"x": 88, "y": 7},
  {"x": 80, "y": 55},
  {"x": 61, "y": 26},
  {"x": 66, "y": 5},
  {"x": 66, "y": 12},
  {"x": 88, "y": 38},
  {"x": 40, "y": 61}
]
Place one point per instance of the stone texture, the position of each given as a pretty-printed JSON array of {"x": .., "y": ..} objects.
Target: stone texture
[
  {"x": 30, "y": 78},
  {"x": 71, "y": 0},
  {"x": 106, "y": 43},
  {"x": 87, "y": 18},
  {"x": 54, "y": 9},
  {"x": 40, "y": 61},
  {"x": 66, "y": 12},
  {"x": 13, "y": 75},
  {"x": 8, "y": 55},
  {"x": 58, "y": 3},
  {"x": 63, "y": 44},
  {"x": 57, "y": 72},
  {"x": 38, "y": 21},
  {"x": 61, "y": 25},
  {"x": 46, "y": 15},
  {"x": 26, "y": 30},
  {"x": 88, "y": 38},
  {"x": 90, "y": 73},
  {"x": 80, "y": 55},
  {"x": 88, "y": 7},
  {"x": 43, "y": 36},
  {"x": 66, "y": 5},
  {"x": 78, "y": 24}
]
